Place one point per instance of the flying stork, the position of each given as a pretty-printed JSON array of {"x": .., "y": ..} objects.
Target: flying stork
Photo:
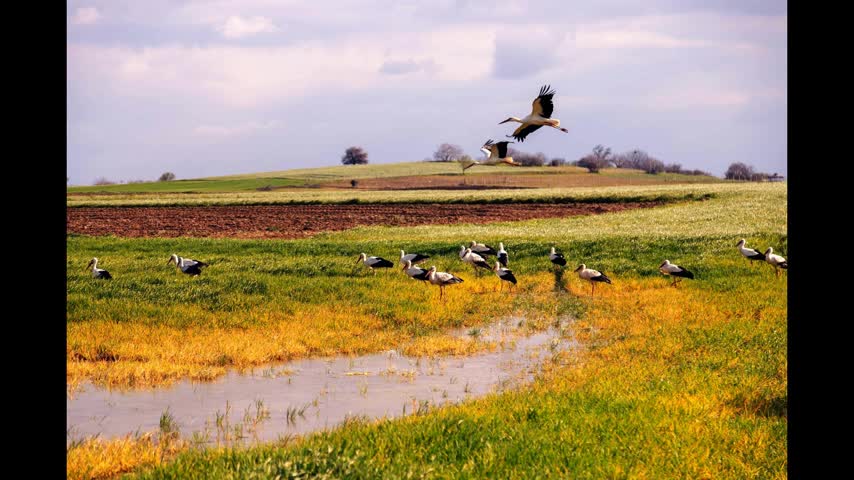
[
  {"x": 189, "y": 266},
  {"x": 374, "y": 262},
  {"x": 750, "y": 253},
  {"x": 98, "y": 272},
  {"x": 504, "y": 274},
  {"x": 495, "y": 153},
  {"x": 592, "y": 276},
  {"x": 415, "y": 258},
  {"x": 776, "y": 261},
  {"x": 541, "y": 113},
  {"x": 675, "y": 271},
  {"x": 441, "y": 279}
]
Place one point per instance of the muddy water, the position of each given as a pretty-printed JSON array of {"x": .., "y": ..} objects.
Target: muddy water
[{"x": 315, "y": 394}]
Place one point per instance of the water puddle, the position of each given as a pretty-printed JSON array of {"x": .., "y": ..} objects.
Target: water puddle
[{"x": 303, "y": 396}]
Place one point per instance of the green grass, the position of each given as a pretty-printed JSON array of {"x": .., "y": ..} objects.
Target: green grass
[
  {"x": 539, "y": 195},
  {"x": 671, "y": 383}
]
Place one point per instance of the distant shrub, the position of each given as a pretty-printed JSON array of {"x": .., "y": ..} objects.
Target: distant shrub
[
  {"x": 527, "y": 159},
  {"x": 355, "y": 156},
  {"x": 166, "y": 177},
  {"x": 103, "y": 181},
  {"x": 354, "y": 183},
  {"x": 557, "y": 162}
]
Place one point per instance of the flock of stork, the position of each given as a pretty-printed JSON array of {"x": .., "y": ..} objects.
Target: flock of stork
[
  {"x": 541, "y": 112},
  {"x": 475, "y": 255}
]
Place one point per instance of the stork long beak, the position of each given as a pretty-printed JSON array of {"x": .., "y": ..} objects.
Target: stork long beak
[
  {"x": 508, "y": 120},
  {"x": 577, "y": 269},
  {"x": 169, "y": 261},
  {"x": 89, "y": 265}
]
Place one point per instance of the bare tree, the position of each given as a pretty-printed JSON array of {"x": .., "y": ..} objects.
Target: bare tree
[
  {"x": 355, "y": 156},
  {"x": 166, "y": 177},
  {"x": 448, "y": 153},
  {"x": 739, "y": 171},
  {"x": 598, "y": 159}
]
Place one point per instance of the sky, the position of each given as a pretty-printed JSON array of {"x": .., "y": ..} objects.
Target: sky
[{"x": 205, "y": 88}]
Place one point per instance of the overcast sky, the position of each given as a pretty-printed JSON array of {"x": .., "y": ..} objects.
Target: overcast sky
[{"x": 204, "y": 88}]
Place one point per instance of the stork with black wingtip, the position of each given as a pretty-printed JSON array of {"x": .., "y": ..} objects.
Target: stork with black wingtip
[
  {"x": 504, "y": 275},
  {"x": 415, "y": 258},
  {"x": 592, "y": 276},
  {"x": 750, "y": 253},
  {"x": 442, "y": 279},
  {"x": 557, "y": 258},
  {"x": 678, "y": 273},
  {"x": 473, "y": 259},
  {"x": 776, "y": 261},
  {"x": 541, "y": 112},
  {"x": 374, "y": 262},
  {"x": 99, "y": 273},
  {"x": 189, "y": 266},
  {"x": 416, "y": 273},
  {"x": 502, "y": 254}
]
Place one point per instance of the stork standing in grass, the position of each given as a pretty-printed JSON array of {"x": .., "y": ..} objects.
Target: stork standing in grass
[
  {"x": 592, "y": 276},
  {"x": 98, "y": 272},
  {"x": 417, "y": 273},
  {"x": 541, "y": 113},
  {"x": 482, "y": 249},
  {"x": 442, "y": 279},
  {"x": 187, "y": 265},
  {"x": 776, "y": 261},
  {"x": 374, "y": 262},
  {"x": 415, "y": 258},
  {"x": 675, "y": 271},
  {"x": 504, "y": 274},
  {"x": 502, "y": 254},
  {"x": 557, "y": 258},
  {"x": 495, "y": 153},
  {"x": 473, "y": 259},
  {"x": 750, "y": 253}
]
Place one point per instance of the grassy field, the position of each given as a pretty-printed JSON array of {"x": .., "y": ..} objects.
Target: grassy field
[
  {"x": 687, "y": 382},
  {"x": 334, "y": 176},
  {"x": 546, "y": 195}
]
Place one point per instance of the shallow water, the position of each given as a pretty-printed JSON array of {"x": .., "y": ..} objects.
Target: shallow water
[{"x": 320, "y": 393}]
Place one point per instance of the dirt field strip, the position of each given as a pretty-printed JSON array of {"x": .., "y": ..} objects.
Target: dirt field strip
[{"x": 299, "y": 221}]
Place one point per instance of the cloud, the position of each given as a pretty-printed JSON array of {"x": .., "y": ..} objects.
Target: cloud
[
  {"x": 522, "y": 52},
  {"x": 85, "y": 16},
  {"x": 239, "y": 27},
  {"x": 235, "y": 130},
  {"x": 400, "y": 67}
]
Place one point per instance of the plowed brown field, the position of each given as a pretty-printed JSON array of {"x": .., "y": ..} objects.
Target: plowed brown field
[{"x": 297, "y": 221}]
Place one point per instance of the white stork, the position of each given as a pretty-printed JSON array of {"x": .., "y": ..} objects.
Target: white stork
[
  {"x": 187, "y": 265},
  {"x": 417, "y": 273},
  {"x": 473, "y": 259},
  {"x": 750, "y": 253},
  {"x": 415, "y": 258},
  {"x": 677, "y": 272},
  {"x": 374, "y": 262},
  {"x": 557, "y": 258},
  {"x": 495, "y": 153},
  {"x": 504, "y": 274},
  {"x": 776, "y": 261},
  {"x": 592, "y": 276},
  {"x": 541, "y": 113},
  {"x": 441, "y": 279},
  {"x": 482, "y": 249},
  {"x": 502, "y": 254},
  {"x": 98, "y": 272}
]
